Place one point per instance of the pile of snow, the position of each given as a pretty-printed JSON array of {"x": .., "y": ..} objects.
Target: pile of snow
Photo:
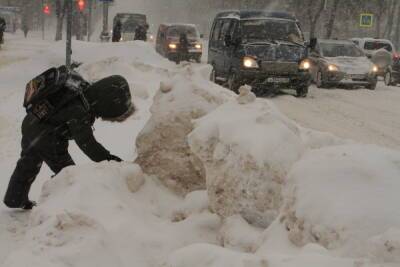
[
  {"x": 88, "y": 216},
  {"x": 162, "y": 145},
  {"x": 247, "y": 148},
  {"x": 346, "y": 198}
]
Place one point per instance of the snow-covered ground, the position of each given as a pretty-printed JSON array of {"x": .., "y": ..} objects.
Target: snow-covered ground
[{"x": 336, "y": 200}]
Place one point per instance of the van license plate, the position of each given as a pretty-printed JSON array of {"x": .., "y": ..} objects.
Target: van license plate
[{"x": 278, "y": 80}]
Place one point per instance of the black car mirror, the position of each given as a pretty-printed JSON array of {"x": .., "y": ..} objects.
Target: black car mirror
[
  {"x": 201, "y": 36},
  {"x": 228, "y": 40},
  {"x": 313, "y": 43}
]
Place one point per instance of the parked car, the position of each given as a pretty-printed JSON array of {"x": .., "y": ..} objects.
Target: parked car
[
  {"x": 129, "y": 23},
  {"x": 263, "y": 49},
  {"x": 168, "y": 42},
  {"x": 335, "y": 62},
  {"x": 392, "y": 73},
  {"x": 370, "y": 46}
]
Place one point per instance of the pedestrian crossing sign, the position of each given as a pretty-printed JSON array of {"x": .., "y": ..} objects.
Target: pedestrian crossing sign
[{"x": 366, "y": 20}]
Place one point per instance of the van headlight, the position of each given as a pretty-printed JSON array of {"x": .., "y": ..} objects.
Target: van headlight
[
  {"x": 197, "y": 46},
  {"x": 333, "y": 68},
  {"x": 305, "y": 65},
  {"x": 172, "y": 46},
  {"x": 250, "y": 63},
  {"x": 375, "y": 68}
]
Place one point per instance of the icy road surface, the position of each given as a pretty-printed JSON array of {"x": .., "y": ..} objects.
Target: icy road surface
[{"x": 362, "y": 115}]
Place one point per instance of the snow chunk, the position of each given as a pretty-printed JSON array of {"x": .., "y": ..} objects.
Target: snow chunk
[
  {"x": 162, "y": 145},
  {"x": 246, "y": 95},
  {"x": 194, "y": 202},
  {"x": 247, "y": 151},
  {"x": 237, "y": 234},
  {"x": 342, "y": 196}
]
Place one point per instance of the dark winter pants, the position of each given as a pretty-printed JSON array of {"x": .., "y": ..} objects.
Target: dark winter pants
[
  {"x": 51, "y": 149},
  {"x": 1, "y": 37}
]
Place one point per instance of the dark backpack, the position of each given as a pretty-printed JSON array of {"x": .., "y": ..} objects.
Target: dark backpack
[{"x": 53, "y": 89}]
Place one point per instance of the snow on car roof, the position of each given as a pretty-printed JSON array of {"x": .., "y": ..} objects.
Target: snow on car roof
[
  {"x": 333, "y": 41},
  {"x": 179, "y": 24},
  {"x": 237, "y": 14}
]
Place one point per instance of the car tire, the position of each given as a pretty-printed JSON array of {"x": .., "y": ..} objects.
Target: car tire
[
  {"x": 388, "y": 79},
  {"x": 233, "y": 83},
  {"x": 372, "y": 86},
  {"x": 302, "y": 91},
  {"x": 320, "y": 80},
  {"x": 213, "y": 75}
]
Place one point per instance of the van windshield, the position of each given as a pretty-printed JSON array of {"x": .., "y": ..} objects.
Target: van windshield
[
  {"x": 176, "y": 31},
  {"x": 340, "y": 50},
  {"x": 271, "y": 30}
]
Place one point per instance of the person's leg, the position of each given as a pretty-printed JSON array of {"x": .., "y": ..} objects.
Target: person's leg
[
  {"x": 55, "y": 154},
  {"x": 28, "y": 167}
]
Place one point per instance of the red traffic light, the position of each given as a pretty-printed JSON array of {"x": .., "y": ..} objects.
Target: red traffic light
[
  {"x": 46, "y": 9},
  {"x": 81, "y": 5}
]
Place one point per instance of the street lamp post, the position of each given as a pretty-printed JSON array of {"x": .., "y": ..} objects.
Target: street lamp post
[{"x": 69, "y": 33}]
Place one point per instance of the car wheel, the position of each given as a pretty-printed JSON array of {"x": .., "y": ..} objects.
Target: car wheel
[
  {"x": 213, "y": 75},
  {"x": 372, "y": 86},
  {"x": 320, "y": 80},
  {"x": 233, "y": 83},
  {"x": 302, "y": 91},
  {"x": 388, "y": 79}
]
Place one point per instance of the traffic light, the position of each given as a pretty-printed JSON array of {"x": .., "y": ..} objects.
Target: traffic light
[
  {"x": 46, "y": 9},
  {"x": 81, "y": 5}
]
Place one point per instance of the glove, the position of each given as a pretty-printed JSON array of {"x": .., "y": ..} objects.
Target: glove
[{"x": 114, "y": 158}]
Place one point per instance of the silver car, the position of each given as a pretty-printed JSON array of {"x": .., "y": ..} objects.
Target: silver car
[{"x": 335, "y": 62}]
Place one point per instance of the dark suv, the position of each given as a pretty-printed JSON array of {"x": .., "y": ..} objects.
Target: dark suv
[{"x": 263, "y": 49}]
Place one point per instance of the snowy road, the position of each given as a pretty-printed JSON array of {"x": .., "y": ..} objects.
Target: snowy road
[{"x": 362, "y": 115}]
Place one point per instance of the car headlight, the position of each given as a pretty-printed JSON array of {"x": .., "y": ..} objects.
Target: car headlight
[
  {"x": 332, "y": 67},
  {"x": 375, "y": 68},
  {"x": 197, "y": 46},
  {"x": 305, "y": 65},
  {"x": 172, "y": 46},
  {"x": 250, "y": 63}
]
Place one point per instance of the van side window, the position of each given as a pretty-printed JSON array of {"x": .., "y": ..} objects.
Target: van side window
[
  {"x": 226, "y": 29},
  {"x": 217, "y": 30}
]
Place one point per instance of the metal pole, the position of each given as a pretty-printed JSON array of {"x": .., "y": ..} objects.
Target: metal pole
[
  {"x": 69, "y": 33},
  {"x": 89, "y": 28},
  {"x": 105, "y": 35},
  {"x": 105, "y": 17},
  {"x": 43, "y": 19}
]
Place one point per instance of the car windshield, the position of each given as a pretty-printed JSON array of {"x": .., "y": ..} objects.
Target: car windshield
[
  {"x": 340, "y": 50},
  {"x": 374, "y": 45},
  {"x": 176, "y": 31},
  {"x": 271, "y": 29}
]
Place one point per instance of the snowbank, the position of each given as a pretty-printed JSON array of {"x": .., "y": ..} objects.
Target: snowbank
[
  {"x": 87, "y": 216},
  {"x": 162, "y": 145},
  {"x": 346, "y": 198},
  {"x": 201, "y": 255},
  {"x": 247, "y": 148}
]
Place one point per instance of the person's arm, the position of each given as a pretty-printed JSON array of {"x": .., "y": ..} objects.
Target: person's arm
[{"x": 82, "y": 133}]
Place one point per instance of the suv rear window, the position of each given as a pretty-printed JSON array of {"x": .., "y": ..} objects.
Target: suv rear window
[{"x": 377, "y": 46}]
